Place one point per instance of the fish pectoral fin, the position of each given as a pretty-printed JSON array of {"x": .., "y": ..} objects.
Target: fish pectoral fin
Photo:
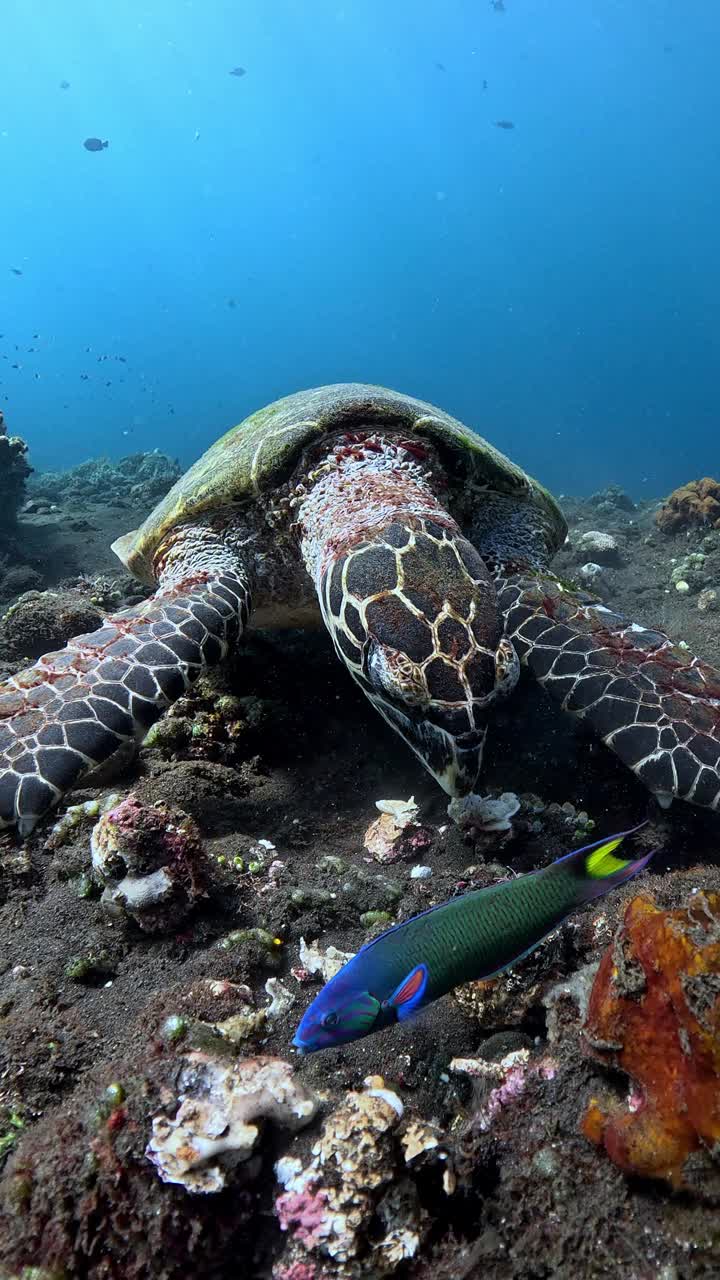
[{"x": 407, "y": 997}]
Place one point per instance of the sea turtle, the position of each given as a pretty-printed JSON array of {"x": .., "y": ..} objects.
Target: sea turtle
[{"x": 427, "y": 552}]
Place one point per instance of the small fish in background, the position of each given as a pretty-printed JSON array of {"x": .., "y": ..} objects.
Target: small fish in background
[
  {"x": 476, "y": 935},
  {"x": 484, "y": 85},
  {"x": 498, "y": 6},
  {"x": 64, "y": 84},
  {"x": 196, "y": 135},
  {"x": 95, "y": 144},
  {"x": 238, "y": 71},
  {"x": 439, "y": 66},
  {"x": 504, "y": 124},
  {"x": 16, "y": 271}
]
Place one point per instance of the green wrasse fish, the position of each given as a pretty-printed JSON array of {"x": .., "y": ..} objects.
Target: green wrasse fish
[{"x": 476, "y": 935}]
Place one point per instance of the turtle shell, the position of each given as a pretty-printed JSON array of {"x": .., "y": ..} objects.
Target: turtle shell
[{"x": 260, "y": 453}]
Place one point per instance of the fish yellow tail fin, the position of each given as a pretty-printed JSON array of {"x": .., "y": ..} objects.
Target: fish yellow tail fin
[
  {"x": 597, "y": 868},
  {"x": 602, "y": 863}
]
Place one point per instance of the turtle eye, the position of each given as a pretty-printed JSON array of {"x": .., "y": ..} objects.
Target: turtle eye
[{"x": 330, "y": 1019}]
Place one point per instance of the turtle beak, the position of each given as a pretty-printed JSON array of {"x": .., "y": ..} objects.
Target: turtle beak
[{"x": 454, "y": 761}]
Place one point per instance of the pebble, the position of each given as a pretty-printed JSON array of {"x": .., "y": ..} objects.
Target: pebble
[
  {"x": 708, "y": 600},
  {"x": 420, "y": 873}
]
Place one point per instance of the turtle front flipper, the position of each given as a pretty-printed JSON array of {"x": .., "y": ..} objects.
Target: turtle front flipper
[
  {"x": 654, "y": 704},
  {"x": 408, "y": 601},
  {"x": 74, "y": 709}
]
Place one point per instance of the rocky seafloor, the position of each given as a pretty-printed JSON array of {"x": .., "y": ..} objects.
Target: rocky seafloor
[{"x": 562, "y": 1120}]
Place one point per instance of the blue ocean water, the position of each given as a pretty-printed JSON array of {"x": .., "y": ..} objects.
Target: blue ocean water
[{"x": 348, "y": 209}]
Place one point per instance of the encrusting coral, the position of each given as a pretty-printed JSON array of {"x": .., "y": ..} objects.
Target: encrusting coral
[
  {"x": 694, "y": 504},
  {"x": 355, "y": 1179},
  {"x": 654, "y": 1012}
]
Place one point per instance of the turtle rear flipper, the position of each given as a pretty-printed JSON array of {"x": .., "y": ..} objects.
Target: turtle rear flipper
[
  {"x": 74, "y": 709},
  {"x": 650, "y": 700}
]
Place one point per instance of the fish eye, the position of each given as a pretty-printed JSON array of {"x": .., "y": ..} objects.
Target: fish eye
[{"x": 330, "y": 1019}]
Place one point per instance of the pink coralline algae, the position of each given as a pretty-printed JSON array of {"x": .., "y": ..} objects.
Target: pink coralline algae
[
  {"x": 304, "y": 1213},
  {"x": 512, "y": 1074},
  {"x": 297, "y": 1271},
  {"x": 333, "y": 1206},
  {"x": 150, "y": 861}
]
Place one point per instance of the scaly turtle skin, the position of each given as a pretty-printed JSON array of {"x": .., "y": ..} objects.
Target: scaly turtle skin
[{"x": 426, "y": 554}]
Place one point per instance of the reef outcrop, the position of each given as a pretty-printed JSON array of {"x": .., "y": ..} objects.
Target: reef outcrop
[
  {"x": 693, "y": 505},
  {"x": 14, "y": 471}
]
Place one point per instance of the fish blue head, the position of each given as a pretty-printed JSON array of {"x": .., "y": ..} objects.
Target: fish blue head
[{"x": 343, "y": 1011}]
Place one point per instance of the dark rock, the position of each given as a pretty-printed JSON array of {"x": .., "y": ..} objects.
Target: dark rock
[
  {"x": 16, "y": 578},
  {"x": 42, "y": 621}
]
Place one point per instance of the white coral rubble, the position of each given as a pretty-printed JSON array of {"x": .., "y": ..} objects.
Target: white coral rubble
[{"x": 221, "y": 1107}]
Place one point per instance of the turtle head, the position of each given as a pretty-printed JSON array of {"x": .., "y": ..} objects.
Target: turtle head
[
  {"x": 413, "y": 616},
  {"x": 447, "y": 729},
  {"x": 395, "y": 687}
]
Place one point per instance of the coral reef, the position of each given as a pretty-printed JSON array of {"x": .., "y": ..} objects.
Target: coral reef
[
  {"x": 654, "y": 1013},
  {"x": 42, "y": 621},
  {"x": 14, "y": 471},
  {"x": 150, "y": 861},
  {"x": 351, "y": 1207},
  {"x": 278, "y": 761},
  {"x": 696, "y": 504},
  {"x": 140, "y": 479},
  {"x": 220, "y": 1111}
]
